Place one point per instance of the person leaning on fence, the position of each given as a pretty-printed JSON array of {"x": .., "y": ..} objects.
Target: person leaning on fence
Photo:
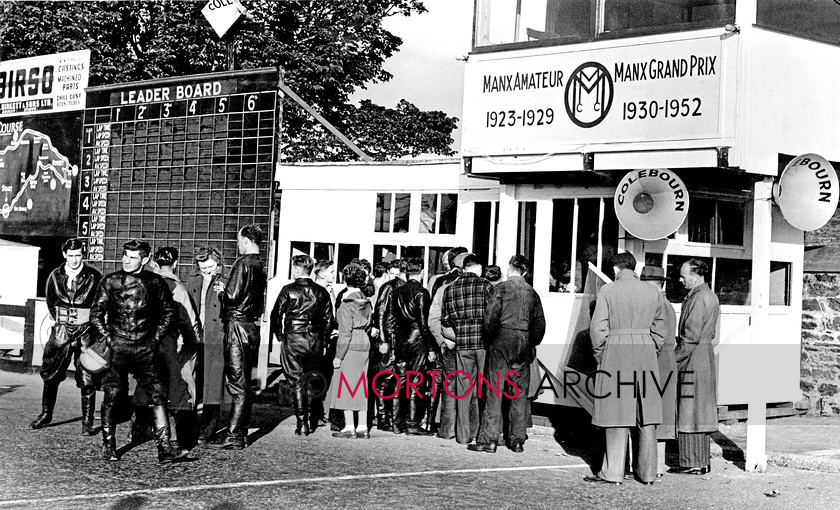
[
  {"x": 302, "y": 319},
  {"x": 352, "y": 355},
  {"x": 70, "y": 291}
]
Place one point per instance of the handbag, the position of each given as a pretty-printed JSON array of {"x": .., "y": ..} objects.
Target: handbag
[{"x": 96, "y": 358}]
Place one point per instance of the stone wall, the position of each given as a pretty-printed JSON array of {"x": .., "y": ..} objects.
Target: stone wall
[{"x": 820, "y": 366}]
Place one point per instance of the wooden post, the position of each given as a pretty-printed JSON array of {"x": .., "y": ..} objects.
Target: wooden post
[{"x": 756, "y": 455}]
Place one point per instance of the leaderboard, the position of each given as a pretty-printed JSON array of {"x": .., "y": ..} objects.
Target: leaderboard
[{"x": 181, "y": 162}]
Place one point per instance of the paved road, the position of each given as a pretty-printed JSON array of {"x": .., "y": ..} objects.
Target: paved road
[{"x": 57, "y": 468}]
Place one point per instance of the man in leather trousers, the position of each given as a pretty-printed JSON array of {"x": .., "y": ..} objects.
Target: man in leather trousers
[
  {"x": 242, "y": 301},
  {"x": 134, "y": 312},
  {"x": 70, "y": 291},
  {"x": 302, "y": 319},
  {"x": 383, "y": 356},
  {"x": 413, "y": 345}
]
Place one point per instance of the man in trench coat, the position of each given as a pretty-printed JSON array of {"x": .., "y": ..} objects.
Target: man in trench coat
[
  {"x": 627, "y": 329},
  {"x": 697, "y": 405}
]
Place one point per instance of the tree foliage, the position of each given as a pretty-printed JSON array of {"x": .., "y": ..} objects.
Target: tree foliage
[{"x": 327, "y": 49}]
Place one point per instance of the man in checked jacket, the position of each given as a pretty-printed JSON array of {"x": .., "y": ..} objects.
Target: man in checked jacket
[{"x": 464, "y": 303}]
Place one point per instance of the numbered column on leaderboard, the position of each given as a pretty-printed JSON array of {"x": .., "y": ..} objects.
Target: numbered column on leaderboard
[{"x": 181, "y": 162}]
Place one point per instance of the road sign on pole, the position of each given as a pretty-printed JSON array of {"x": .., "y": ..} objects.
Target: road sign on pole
[{"x": 222, "y": 14}]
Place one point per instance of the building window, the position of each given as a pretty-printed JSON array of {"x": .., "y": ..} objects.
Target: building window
[
  {"x": 571, "y": 21},
  {"x": 485, "y": 227},
  {"x": 780, "y": 276},
  {"x": 819, "y": 21},
  {"x": 438, "y": 213},
  {"x": 384, "y": 253},
  {"x": 716, "y": 221},
  {"x": 341, "y": 253},
  {"x": 584, "y": 230},
  {"x": 392, "y": 212}
]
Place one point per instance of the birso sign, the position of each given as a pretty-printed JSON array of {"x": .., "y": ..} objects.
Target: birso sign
[{"x": 222, "y": 14}]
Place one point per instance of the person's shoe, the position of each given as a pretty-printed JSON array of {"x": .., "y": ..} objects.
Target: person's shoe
[
  {"x": 417, "y": 431},
  {"x": 482, "y": 447},
  {"x": 690, "y": 471},
  {"x": 448, "y": 438},
  {"x": 229, "y": 443},
  {"x": 384, "y": 427},
  {"x": 302, "y": 428},
  {"x": 362, "y": 433},
  {"x": 201, "y": 441},
  {"x": 345, "y": 434},
  {"x": 170, "y": 453},
  {"x": 42, "y": 420},
  {"x": 396, "y": 429},
  {"x": 109, "y": 446},
  {"x": 598, "y": 479},
  {"x": 517, "y": 447}
]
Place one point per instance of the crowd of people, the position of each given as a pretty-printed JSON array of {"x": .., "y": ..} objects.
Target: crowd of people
[{"x": 385, "y": 351}]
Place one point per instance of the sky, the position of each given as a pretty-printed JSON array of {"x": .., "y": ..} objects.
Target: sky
[{"x": 425, "y": 69}]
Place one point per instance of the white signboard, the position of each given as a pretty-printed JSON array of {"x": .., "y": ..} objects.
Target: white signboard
[
  {"x": 51, "y": 83},
  {"x": 516, "y": 104},
  {"x": 222, "y": 14}
]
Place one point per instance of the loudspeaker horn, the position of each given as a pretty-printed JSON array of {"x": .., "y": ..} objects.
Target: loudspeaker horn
[
  {"x": 807, "y": 192},
  {"x": 652, "y": 203}
]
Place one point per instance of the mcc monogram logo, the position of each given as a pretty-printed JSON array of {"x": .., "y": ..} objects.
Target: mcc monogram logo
[{"x": 589, "y": 94}]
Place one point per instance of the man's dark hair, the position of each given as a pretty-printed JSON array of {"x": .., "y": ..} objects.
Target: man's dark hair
[
  {"x": 138, "y": 245},
  {"x": 454, "y": 252},
  {"x": 625, "y": 260},
  {"x": 413, "y": 266},
  {"x": 252, "y": 232},
  {"x": 379, "y": 269},
  {"x": 354, "y": 275},
  {"x": 322, "y": 264},
  {"x": 471, "y": 260},
  {"x": 521, "y": 263},
  {"x": 166, "y": 256},
  {"x": 698, "y": 267},
  {"x": 74, "y": 243},
  {"x": 493, "y": 273},
  {"x": 304, "y": 262},
  {"x": 203, "y": 254},
  {"x": 365, "y": 263}
]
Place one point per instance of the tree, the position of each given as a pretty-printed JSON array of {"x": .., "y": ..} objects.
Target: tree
[{"x": 327, "y": 48}]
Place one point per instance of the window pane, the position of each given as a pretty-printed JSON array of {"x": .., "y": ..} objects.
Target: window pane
[
  {"x": 730, "y": 222},
  {"x": 815, "y": 20},
  {"x": 346, "y": 253},
  {"x": 384, "y": 253},
  {"x": 654, "y": 259},
  {"x": 780, "y": 283},
  {"x": 508, "y": 21},
  {"x": 402, "y": 205},
  {"x": 383, "y": 212},
  {"x": 587, "y": 240},
  {"x": 674, "y": 289},
  {"x": 448, "y": 212},
  {"x": 428, "y": 213},
  {"x": 526, "y": 231},
  {"x": 298, "y": 248},
  {"x": 481, "y": 230},
  {"x": 561, "y": 246},
  {"x": 435, "y": 263},
  {"x": 609, "y": 235},
  {"x": 621, "y": 15},
  {"x": 701, "y": 220},
  {"x": 732, "y": 281},
  {"x": 324, "y": 251}
]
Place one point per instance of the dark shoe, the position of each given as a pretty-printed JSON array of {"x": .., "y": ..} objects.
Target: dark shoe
[
  {"x": 690, "y": 471},
  {"x": 482, "y": 447},
  {"x": 335, "y": 427},
  {"x": 598, "y": 479},
  {"x": 347, "y": 434},
  {"x": 109, "y": 444},
  {"x": 517, "y": 447},
  {"x": 229, "y": 443},
  {"x": 170, "y": 453},
  {"x": 302, "y": 427},
  {"x": 385, "y": 427},
  {"x": 364, "y": 434},
  {"x": 417, "y": 431},
  {"x": 88, "y": 409},
  {"x": 42, "y": 420},
  {"x": 396, "y": 429},
  {"x": 201, "y": 441}
]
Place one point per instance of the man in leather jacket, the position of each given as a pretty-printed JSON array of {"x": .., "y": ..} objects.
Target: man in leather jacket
[
  {"x": 242, "y": 301},
  {"x": 302, "y": 319},
  {"x": 70, "y": 291},
  {"x": 134, "y": 312},
  {"x": 413, "y": 345},
  {"x": 383, "y": 356}
]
